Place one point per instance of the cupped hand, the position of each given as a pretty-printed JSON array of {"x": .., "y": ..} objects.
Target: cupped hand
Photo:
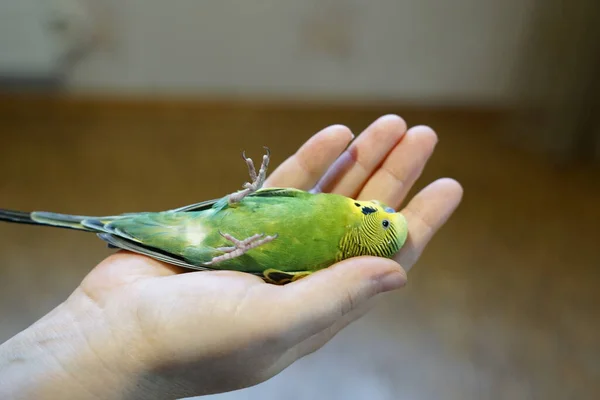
[{"x": 161, "y": 333}]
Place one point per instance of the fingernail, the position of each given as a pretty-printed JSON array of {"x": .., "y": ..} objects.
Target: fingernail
[{"x": 392, "y": 281}]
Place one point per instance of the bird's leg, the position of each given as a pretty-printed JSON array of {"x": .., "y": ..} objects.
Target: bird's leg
[
  {"x": 278, "y": 277},
  {"x": 257, "y": 179},
  {"x": 240, "y": 247}
]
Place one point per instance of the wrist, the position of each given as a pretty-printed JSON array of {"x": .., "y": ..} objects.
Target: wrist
[{"x": 67, "y": 354}]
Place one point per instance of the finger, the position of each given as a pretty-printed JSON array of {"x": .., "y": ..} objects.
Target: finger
[
  {"x": 398, "y": 173},
  {"x": 309, "y": 163},
  {"x": 426, "y": 213},
  {"x": 312, "y": 304},
  {"x": 354, "y": 167}
]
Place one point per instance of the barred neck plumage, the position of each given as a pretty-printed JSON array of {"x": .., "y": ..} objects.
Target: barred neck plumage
[{"x": 369, "y": 238}]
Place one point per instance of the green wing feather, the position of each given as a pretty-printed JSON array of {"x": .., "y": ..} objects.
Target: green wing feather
[{"x": 122, "y": 243}]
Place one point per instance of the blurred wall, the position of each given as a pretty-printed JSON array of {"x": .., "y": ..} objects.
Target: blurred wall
[
  {"x": 38, "y": 39},
  {"x": 428, "y": 51},
  {"x": 509, "y": 55},
  {"x": 559, "y": 72},
  {"x": 24, "y": 44}
]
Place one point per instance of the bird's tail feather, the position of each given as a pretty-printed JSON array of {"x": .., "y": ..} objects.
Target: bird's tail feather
[
  {"x": 19, "y": 217},
  {"x": 45, "y": 219}
]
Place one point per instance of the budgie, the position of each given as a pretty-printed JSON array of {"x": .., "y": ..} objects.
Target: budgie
[{"x": 280, "y": 234}]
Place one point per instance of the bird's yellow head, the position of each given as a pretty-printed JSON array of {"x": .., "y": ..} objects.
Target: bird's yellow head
[{"x": 378, "y": 230}]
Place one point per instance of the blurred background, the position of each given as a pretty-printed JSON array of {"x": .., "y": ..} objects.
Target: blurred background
[{"x": 110, "y": 106}]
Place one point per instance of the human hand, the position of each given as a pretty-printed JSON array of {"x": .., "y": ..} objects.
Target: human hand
[{"x": 139, "y": 328}]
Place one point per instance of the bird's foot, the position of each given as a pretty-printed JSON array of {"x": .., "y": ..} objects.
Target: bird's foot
[
  {"x": 257, "y": 179},
  {"x": 240, "y": 247}
]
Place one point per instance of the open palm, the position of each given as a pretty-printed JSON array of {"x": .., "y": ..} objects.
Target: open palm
[{"x": 185, "y": 334}]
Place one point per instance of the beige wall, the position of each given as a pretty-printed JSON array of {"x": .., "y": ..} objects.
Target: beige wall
[
  {"x": 26, "y": 47},
  {"x": 410, "y": 50}
]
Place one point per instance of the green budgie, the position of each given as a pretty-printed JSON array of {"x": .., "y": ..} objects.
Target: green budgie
[{"x": 279, "y": 234}]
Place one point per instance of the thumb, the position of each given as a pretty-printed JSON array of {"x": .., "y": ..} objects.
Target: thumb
[{"x": 316, "y": 302}]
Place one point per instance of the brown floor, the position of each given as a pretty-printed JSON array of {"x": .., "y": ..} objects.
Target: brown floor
[{"x": 501, "y": 306}]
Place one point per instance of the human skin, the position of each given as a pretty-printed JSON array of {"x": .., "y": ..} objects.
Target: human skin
[{"x": 136, "y": 328}]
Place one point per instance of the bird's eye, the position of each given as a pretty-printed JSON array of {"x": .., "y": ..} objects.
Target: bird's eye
[
  {"x": 390, "y": 210},
  {"x": 385, "y": 223}
]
